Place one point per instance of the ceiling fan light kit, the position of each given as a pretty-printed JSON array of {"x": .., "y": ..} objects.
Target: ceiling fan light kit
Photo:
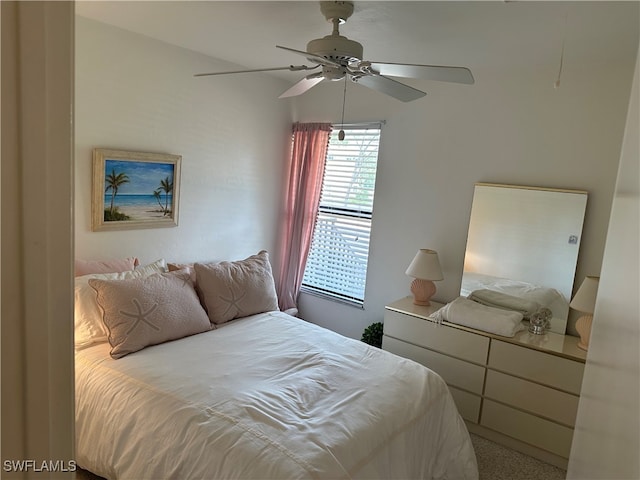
[{"x": 339, "y": 57}]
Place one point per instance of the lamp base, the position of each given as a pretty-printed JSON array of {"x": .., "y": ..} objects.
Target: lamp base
[
  {"x": 583, "y": 326},
  {"x": 422, "y": 291}
]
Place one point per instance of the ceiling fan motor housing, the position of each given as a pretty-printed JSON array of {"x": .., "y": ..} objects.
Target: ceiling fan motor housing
[
  {"x": 336, "y": 48},
  {"x": 336, "y": 10}
]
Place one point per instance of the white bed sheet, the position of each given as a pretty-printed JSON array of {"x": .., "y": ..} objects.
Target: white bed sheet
[{"x": 266, "y": 397}]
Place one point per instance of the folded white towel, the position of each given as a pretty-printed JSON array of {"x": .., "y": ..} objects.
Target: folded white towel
[
  {"x": 463, "y": 311},
  {"x": 493, "y": 298}
]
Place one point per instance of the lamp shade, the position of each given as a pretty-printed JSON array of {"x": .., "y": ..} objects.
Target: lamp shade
[
  {"x": 585, "y": 298},
  {"x": 425, "y": 265}
]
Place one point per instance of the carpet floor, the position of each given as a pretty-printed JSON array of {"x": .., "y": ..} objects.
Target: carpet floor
[{"x": 496, "y": 462}]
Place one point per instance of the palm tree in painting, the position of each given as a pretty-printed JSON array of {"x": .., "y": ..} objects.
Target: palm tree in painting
[
  {"x": 156, "y": 195},
  {"x": 113, "y": 182},
  {"x": 166, "y": 186}
]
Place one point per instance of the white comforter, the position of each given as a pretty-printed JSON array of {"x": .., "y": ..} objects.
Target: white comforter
[{"x": 266, "y": 397}]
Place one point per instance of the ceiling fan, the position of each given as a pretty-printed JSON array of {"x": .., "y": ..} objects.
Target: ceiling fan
[{"x": 338, "y": 57}]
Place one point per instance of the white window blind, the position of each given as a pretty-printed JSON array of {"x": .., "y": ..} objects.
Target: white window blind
[{"x": 337, "y": 262}]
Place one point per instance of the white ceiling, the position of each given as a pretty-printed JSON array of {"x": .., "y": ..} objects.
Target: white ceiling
[{"x": 474, "y": 34}]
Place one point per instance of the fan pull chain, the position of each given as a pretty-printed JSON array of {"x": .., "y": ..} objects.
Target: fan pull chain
[
  {"x": 344, "y": 99},
  {"x": 556, "y": 84}
]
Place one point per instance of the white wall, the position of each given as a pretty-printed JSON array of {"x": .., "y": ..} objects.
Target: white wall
[
  {"x": 607, "y": 440},
  {"x": 135, "y": 93},
  {"x": 511, "y": 127}
]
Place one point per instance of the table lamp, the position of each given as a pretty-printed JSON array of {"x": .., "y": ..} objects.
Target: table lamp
[
  {"x": 584, "y": 301},
  {"x": 424, "y": 268}
]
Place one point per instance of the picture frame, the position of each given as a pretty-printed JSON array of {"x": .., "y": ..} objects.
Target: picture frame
[{"x": 134, "y": 190}]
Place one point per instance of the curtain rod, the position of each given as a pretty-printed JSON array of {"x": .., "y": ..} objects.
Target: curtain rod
[{"x": 377, "y": 124}]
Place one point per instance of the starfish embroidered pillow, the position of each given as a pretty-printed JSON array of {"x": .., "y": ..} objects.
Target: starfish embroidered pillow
[
  {"x": 147, "y": 311},
  {"x": 89, "y": 327},
  {"x": 237, "y": 289}
]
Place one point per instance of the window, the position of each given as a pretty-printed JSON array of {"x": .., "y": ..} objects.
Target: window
[{"x": 337, "y": 262}]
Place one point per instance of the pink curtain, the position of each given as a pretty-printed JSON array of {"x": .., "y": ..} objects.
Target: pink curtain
[{"x": 306, "y": 170}]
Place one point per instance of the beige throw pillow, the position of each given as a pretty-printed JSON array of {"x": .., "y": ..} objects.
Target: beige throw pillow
[
  {"x": 89, "y": 327},
  {"x": 147, "y": 311},
  {"x": 237, "y": 289},
  {"x": 174, "y": 267}
]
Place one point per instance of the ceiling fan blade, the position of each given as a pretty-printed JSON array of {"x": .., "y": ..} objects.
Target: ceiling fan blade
[
  {"x": 390, "y": 87},
  {"x": 303, "y": 85},
  {"x": 428, "y": 72},
  {"x": 312, "y": 57},
  {"x": 293, "y": 68}
]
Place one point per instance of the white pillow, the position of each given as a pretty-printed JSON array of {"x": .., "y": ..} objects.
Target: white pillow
[{"x": 88, "y": 325}]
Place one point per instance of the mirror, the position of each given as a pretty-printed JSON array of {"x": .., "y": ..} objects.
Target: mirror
[{"x": 524, "y": 241}]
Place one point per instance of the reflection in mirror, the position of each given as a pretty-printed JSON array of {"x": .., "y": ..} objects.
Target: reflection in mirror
[{"x": 524, "y": 242}]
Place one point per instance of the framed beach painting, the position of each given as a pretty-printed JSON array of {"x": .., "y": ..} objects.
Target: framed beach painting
[{"x": 134, "y": 190}]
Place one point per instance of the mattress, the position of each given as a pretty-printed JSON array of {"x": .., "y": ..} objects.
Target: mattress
[{"x": 268, "y": 396}]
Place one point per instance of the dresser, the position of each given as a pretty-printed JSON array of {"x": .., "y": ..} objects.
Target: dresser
[{"x": 521, "y": 392}]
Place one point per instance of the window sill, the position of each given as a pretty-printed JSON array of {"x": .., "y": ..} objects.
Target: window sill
[{"x": 332, "y": 298}]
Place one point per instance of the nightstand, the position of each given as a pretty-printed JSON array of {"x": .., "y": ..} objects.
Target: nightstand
[{"x": 521, "y": 392}]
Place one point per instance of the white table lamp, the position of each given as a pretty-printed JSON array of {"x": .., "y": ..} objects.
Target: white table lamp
[
  {"x": 584, "y": 301},
  {"x": 424, "y": 268}
]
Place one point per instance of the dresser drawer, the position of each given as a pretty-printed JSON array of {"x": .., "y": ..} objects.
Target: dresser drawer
[
  {"x": 458, "y": 343},
  {"x": 547, "y": 402},
  {"x": 528, "y": 428},
  {"x": 468, "y": 404},
  {"x": 455, "y": 372},
  {"x": 540, "y": 367}
]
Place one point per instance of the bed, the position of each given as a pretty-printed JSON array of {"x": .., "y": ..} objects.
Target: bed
[{"x": 259, "y": 396}]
